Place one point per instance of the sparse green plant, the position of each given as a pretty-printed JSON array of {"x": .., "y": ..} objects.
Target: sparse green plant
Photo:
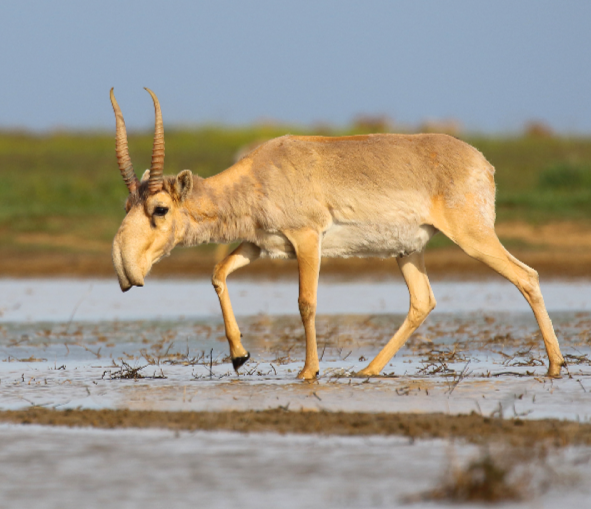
[
  {"x": 502, "y": 476},
  {"x": 565, "y": 176}
]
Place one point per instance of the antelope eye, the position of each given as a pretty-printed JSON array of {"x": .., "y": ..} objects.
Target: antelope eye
[{"x": 160, "y": 211}]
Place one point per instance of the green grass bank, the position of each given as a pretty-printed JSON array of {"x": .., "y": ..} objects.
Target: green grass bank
[{"x": 62, "y": 192}]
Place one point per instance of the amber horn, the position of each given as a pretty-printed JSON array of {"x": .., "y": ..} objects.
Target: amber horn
[
  {"x": 123, "y": 159},
  {"x": 156, "y": 179}
]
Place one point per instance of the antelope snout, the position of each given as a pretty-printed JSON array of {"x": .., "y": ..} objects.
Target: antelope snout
[
  {"x": 136, "y": 281},
  {"x": 128, "y": 273},
  {"x": 128, "y": 281}
]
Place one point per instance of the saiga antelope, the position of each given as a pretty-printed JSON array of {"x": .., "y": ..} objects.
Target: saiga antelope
[{"x": 312, "y": 196}]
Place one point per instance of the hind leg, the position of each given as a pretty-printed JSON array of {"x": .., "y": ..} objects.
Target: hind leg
[
  {"x": 483, "y": 244},
  {"x": 422, "y": 302}
]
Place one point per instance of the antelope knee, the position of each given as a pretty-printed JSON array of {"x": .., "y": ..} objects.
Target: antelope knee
[
  {"x": 419, "y": 309},
  {"x": 432, "y": 303},
  {"x": 218, "y": 284},
  {"x": 531, "y": 287},
  {"x": 307, "y": 308}
]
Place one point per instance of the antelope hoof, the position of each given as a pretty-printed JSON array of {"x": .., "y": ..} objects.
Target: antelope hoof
[
  {"x": 239, "y": 361},
  {"x": 367, "y": 372},
  {"x": 554, "y": 371},
  {"x": 308, "y": 374}
]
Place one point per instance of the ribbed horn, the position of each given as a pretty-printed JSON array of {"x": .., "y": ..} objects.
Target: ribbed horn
[
  {"x": 156, "y": 179},
  {"x": 123, "y": 159}
]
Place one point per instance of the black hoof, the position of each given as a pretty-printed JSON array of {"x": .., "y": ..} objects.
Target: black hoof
[{"x": 239, "y": 361}]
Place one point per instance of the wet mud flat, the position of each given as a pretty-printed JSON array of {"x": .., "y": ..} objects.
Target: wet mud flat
[
  {"x": 492, "y": 364},
  {"x": 151, "y": 413},
  {"x": 373, "y": 460},
  {"x": 472, "y": 428},
  {"x": 153, "y": 468}
]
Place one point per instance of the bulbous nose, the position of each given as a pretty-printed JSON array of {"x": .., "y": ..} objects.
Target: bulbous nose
[
  {"x": 136, "y": 281},
  {"x": 128, "y": 272}
]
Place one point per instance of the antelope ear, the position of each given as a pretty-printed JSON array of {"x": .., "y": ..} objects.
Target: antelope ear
[
  {"x": 184, "y": 184},
  {"x": 145, "y": 176}
]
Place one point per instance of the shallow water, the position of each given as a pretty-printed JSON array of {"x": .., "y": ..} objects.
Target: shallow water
[
  {"x": 68, "y": 344},
  {"x": 61, "y": 300},
  {"x": 480, "y": 350},
  {"x": 491, "y": 363},
  {"x": 73, "y": 468}
]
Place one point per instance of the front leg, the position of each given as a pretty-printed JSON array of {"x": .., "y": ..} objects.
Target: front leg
[
  {"x": 307, "y": 247},
  {"x": 240, "y": 257}
]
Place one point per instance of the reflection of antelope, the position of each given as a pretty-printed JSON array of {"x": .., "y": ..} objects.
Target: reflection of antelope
[{"x": 307, "y": 197}]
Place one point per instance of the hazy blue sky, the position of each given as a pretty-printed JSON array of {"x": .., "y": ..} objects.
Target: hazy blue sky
[{"x": 493, "y": 65}]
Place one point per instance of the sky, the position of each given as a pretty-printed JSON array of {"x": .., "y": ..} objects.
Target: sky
[{"x": 491, "y": 65}]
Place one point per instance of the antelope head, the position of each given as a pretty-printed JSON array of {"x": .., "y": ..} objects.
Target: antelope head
[{"x": 155, "y": 218}]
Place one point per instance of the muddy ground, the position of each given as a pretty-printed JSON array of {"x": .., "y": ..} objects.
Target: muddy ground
[
  {"x": 449, "y": 263},
  {"x": 472, "y": 428},
  {"x": 149, "y": 412},
  {"x": 558, "y": 249},
  {"x": 492, "y": 364}
]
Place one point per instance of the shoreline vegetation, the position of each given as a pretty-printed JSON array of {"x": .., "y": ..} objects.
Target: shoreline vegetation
[{"x": 61, "y": 202}]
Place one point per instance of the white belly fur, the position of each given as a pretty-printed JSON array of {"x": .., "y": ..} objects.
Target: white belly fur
[{"x": 359, "y": 240}]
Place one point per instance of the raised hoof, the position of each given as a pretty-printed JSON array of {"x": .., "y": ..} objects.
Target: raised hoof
[{"x": 239, "y": 361}]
